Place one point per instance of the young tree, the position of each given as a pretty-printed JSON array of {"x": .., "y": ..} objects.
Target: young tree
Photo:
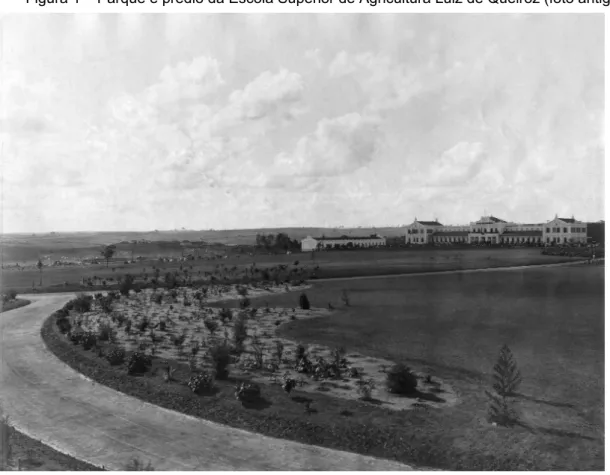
[
  {"x": 39, "y": 265},
  {"x": 345, "y": 297},
  {"x": 507, "y": 376},
  {"x": 304, "y": 301},
  {"x": 108, "y": 252},
  {"x": 507, "y": 379}
]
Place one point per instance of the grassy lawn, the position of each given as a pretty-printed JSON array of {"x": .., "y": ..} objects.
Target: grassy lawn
[
  {"x": 13, "y": 304},
  {"x": 329, "y": 264},
  {"x": 31, "y": 455},
  {"x": 449, "y": 325},
  {"x": 454, "y": 326}
]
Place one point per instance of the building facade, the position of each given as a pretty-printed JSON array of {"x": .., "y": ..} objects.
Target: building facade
[
  {"x": 492, "y": 230},
  {"x": 341, "y": 242}
]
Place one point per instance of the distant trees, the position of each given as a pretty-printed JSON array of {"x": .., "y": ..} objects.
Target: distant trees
[
  {"x": 107, "y": 253},
  {"x": 278, "y": 242}
]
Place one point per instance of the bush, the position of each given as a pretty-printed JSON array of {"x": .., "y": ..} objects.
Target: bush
[
  {"x": 138, "y": 363},
  {"x": 116, "y": 356},
  {"x": 401, "y": 380},
  {"x": 226, "y": 314},
  {"x": 75, "y": 336},
  {"x": 304, "y": 301},
  {"x": 88, "y": 340},
  {"x": 365, "y": 389},
  {"x": 178, "y": 340},
  {"x": 211, "y": 325},
  {"x": 11, "y": 294},
  {"x": 106, "y": 304},
  {"x": 82, "y": 303},
  {"x": 64, "y": 325},
  {"x": 104, "y": 332},
  {"x": 221, "y": 356},
  {"x": 126, "y": 285},
  {"x": 201, "y": 382},
  {"x": 240, "y": 332},
  {"x": 247, "y": 392}
]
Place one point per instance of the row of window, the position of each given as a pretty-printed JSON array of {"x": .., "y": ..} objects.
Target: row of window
[{"x": 566, "y": 230}]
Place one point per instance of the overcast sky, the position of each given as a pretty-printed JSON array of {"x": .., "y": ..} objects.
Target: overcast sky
[{"x": 140, "y": 122}]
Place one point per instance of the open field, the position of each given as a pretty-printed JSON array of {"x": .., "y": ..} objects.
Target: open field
[
  {"x": 13, "y": 304},
  {"x": 551, "y": 318},
  {"x": 326, "y": 264},
  {"x": 28, "y": 248}
]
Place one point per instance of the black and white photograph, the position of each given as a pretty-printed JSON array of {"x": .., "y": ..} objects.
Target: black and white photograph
[{"x": 302, "y": 241}]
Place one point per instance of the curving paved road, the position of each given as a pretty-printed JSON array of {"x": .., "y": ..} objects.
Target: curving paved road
[{"x": 50, "y": 402}]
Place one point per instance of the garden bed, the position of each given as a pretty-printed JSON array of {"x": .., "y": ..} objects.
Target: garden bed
[{"x": 328, "y": 412}]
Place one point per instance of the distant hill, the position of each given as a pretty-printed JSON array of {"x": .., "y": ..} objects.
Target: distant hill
[{"x": 26, "y": 248}]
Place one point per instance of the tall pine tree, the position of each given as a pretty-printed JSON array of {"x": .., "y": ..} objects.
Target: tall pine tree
[
  {"x": 507, "y": 379},
  {"x": 507, "y": 376}
]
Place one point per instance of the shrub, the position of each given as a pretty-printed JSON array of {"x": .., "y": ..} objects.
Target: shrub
[
  {"x": 258, "y": 348},
  {"x": 225, "y": 315},
  {"x": 88, "y": 340},
  {"x": 279, "y": 351},
  {"x": 104, "y": 332},
  {"x": 116, "y": 356},
  {"x": 106, "y": 304},
  {"x": 247, "y": 391},
  {"x": 11, "y": 294},
  {"x": 75, "y": 336},
  {"x": 240, "y": 332},
  {"x": 143, "y": 325},
  {"x": 304, "y": 301},
  {"x": 211, "y": 325},
  {"x": 365, "y": 389},
  {"x": 64, "y": 325},
  {"x": 401, "y": 380},
  {"x": 201, "y": 382},
  {"x": 242, "y": 290},
  {"x": 138, "y": 363},
  {"x": 157, "y": 298},
  {"x": 221, "y": 356},
  {"x": 178, "y": 340},
  {"x": 82, "y": 303},
  {"x": 300, "y": 353}
]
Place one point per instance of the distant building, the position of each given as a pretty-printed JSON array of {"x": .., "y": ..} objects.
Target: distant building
[
  {"x": 492, "y": 230},
  {"x": 350, "y": 242}
]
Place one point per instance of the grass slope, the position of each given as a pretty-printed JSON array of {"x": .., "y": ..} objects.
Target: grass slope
[
  {"x": 452, "y": 326},
  {"x": 330, "y": 264},
  {"x": 13, "y": 304}
]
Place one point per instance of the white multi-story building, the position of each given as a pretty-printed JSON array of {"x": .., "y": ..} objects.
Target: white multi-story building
[
  {"x": 322, "y": 243},
  {"x": 492, "y": 230}
]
